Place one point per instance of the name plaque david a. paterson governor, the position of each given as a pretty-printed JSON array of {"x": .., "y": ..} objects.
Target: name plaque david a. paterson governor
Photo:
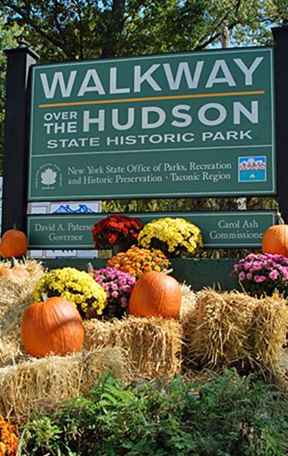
[{"x": 193, "y": 124}]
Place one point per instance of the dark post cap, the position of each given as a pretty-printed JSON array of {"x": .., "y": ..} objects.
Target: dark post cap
[
  {"x": 281, "y": 28},
  {"x": 23, "y": 48}
]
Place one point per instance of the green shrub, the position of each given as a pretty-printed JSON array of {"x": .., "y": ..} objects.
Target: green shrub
[{"x": 227, "y": 416}]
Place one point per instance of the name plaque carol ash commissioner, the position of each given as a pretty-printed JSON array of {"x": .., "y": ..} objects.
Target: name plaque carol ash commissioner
[{"x": 193, "y": 124}]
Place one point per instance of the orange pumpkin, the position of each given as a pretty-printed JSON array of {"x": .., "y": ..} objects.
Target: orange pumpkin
[
  {"x": 275, "y": 240},
  {"x": 155, "y": 294},
  {"x": 52, "y": 327},
  {"x": 14, "y": 243}
]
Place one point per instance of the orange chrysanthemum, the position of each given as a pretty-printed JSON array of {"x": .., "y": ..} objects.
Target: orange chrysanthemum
[
  {"x": 136, "y": 261},
  {"x": 8, "y": 438}
]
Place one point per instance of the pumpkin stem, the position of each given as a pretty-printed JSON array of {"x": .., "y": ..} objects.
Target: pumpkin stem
[
  {"x": 44, "y": 297},
  {"x": 90, "y": 267},
  {"x": 280, "y": 219}
]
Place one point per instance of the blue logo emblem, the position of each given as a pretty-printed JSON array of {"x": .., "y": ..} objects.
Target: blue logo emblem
[
  {"x": 252, "y": 169},
  {"x": 67, "y": 209}
]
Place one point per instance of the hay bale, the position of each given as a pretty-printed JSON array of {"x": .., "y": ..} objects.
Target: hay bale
[
  {"x": 269, "y": 330},
  {"x": 10, "y": 353},
  {"x": 232, "y": 328},
  {"x": 104, "y": 359},
  {"x": 15, "y": 296},
  {"x": 188, "y": 302},
  {"x": 43, "y": 384},
  {"x": 153, "y": 345},
  {"x": 14, "y": 291},
  {"x": 217, "y": 333}
]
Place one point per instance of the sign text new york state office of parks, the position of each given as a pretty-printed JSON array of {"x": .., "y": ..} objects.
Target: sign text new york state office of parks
[{"x": 171, "y": 125}]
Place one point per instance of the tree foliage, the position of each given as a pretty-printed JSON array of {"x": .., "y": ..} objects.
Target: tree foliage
[
  {"x": 8, "y": 39},
  {"x": 81, "y": 29}
]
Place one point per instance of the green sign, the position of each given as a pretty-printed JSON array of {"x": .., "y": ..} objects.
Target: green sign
[
  {"x": 193, "y": 124},
  {"x": 226, "y": 229}
]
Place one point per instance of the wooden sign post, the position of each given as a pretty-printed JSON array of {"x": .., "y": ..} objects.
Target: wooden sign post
[
  {"x": 19, "y": 62},
  {"x": 280, "y": 35}
]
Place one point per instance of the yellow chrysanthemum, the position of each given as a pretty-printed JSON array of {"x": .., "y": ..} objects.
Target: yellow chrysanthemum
[
  {"x": 76, "y": 286},
  {"x": 174, "y": 236}
]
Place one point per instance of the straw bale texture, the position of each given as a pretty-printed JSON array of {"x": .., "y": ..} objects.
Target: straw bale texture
[
  {"x": 14, "y": 298},
  {"x": 153, "y": 345},
  {"x": 41, "y": 384},
  {"x": 231, "y": 328},
  {"x": 216, "y": 334},
  {"x": 188, "y": 301},
  {"x": 10, "y": 352},
  {"x": 269, "y": 330}
]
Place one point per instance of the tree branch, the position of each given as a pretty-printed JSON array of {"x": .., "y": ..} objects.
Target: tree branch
[
  {"x": 214, "y": 35},
  {"x": 213, "y": 38},
  {"x": 30, "y": 21}
]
